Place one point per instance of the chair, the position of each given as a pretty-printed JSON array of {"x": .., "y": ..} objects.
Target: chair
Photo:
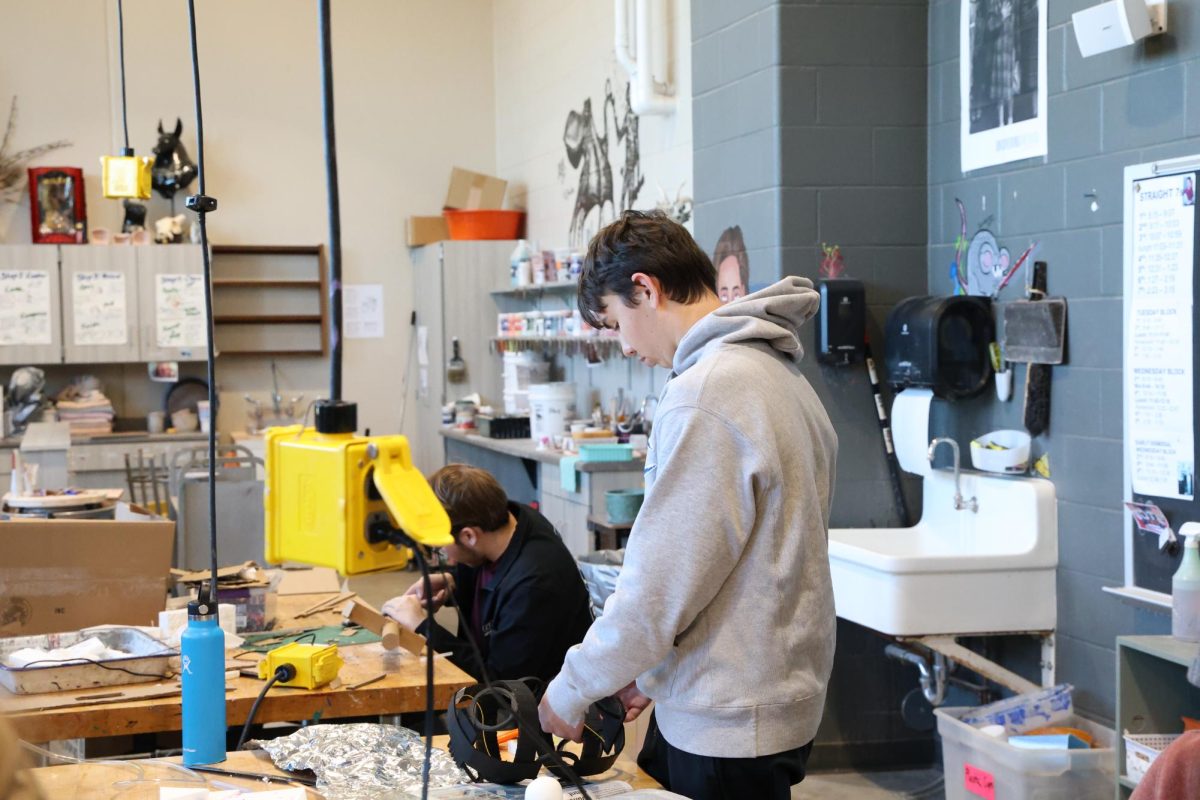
[{"x": 148, "y": 483}]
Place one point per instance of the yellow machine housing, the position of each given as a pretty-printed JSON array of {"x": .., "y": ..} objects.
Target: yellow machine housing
[
  {"x": 316, "y": 664},
  {"x": 328, "y": 495},
  {"x": 126, "y": 176}
]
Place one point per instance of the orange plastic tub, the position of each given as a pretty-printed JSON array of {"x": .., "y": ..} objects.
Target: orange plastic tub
[{"x": 486, "y": 223}]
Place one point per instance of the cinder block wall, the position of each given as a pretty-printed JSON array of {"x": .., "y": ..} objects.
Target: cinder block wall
[
  {"x": 810, "y": 127},
  {"x": 1129, "y": 106}
]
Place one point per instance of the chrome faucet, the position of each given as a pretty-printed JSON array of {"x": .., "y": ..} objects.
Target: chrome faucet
[{"x": 959, "y": 503}]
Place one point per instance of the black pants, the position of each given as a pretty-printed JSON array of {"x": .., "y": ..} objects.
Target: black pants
[{"x": 710, "y": 778}]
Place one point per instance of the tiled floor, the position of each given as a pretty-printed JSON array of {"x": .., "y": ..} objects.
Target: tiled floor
[{"x": 922, "y": 784}]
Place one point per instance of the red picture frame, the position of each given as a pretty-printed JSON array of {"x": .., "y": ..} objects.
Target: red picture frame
[{"x": 57, "y": 205}]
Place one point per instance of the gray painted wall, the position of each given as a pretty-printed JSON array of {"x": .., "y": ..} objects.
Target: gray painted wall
[
  {"x": 1125, "y": 107},
  {"x": 809, "y": 127}
]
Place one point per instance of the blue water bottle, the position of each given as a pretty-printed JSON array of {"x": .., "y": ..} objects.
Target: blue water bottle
[{"x": 202, "y": 671}]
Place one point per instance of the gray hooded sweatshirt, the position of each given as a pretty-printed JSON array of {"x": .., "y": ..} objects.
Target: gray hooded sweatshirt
[{"x": 723, "y": 611}]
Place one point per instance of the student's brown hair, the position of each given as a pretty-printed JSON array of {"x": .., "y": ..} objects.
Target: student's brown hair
[
  {"x": 649, "y": 242},
  {"x": 471, "y": 496}
]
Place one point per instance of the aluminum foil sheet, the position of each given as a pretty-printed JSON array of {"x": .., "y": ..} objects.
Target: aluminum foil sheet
[{"x": 363, "y": 761}]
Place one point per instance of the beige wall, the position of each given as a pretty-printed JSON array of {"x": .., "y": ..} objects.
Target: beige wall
[{"x": 414, "y": 94}]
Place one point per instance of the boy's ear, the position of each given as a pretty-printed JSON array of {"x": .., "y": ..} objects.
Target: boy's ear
[
  {"x": 650, "y": 286},
  {"x": 469, "y": 536}
]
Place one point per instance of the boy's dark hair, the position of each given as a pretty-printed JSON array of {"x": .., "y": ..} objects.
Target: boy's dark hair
[
  {"x": 649, "y": 242},
  {"x": 471, "y": 496}
]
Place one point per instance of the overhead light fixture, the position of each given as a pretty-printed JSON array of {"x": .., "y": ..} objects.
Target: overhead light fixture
[{"x": 126, "y": 175}]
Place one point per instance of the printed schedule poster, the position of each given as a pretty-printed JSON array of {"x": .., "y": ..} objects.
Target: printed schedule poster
[{"x": 1158, "y": 375}]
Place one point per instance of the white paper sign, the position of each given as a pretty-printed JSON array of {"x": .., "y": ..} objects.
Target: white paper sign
[
  {"x": 179, "y": 310},
  {"x": 1158, "y": 346},
  {"x": 362, "y": 310},
  {"x": 1002, "y": 82},
  {"x": 98, "y": 303},
  {"x": 25, "y": 307}
]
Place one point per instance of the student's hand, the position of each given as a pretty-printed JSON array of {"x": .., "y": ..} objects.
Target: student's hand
[
  {"x": 634, "y": 701},
  {"x": 405, "y": 609},
  {"x": 442, "y": 585},
  {"x": 552, "y": 723}
]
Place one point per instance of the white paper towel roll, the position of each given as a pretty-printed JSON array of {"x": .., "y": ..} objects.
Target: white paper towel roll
[{"x": 910, "y": 429}]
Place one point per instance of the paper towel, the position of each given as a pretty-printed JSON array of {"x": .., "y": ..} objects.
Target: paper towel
[{"x": 910, "y": 429}]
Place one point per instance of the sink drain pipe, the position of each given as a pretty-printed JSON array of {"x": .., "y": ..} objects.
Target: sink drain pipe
[{"x": 932, "y": 677}]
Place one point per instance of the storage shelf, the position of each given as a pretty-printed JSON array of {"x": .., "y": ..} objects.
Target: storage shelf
[
  {"x": 275, "y": 319},
  {"x": 565, "y": 287},
  {"x": 281, "y": 283}
]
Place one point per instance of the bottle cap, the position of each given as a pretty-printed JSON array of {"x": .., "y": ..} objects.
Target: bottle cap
[{"x": 201, "y": 609}]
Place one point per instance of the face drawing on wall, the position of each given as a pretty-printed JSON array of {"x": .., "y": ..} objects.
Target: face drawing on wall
[
  {"x": 987, "y": 263},
  {"x": 733, "y": 266}
]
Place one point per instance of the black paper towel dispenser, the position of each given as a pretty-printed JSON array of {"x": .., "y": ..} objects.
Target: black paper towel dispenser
[{"x": 940, "y": 343}]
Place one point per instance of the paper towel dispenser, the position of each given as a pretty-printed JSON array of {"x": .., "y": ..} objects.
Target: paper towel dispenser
[{"x": 940, "y": 343}]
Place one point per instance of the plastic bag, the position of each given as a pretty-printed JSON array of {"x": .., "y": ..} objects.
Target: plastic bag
[{"x": 600, "y": 570}]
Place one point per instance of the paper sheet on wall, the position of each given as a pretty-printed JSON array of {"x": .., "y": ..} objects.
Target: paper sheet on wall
[
  {"x": 1158, "y": 338},
  {"x": 98, "y": 306},
  {"x": 25, "y": 307},
  {"x": 362, "y": 310},
  {"x": 179, "y": 310}
]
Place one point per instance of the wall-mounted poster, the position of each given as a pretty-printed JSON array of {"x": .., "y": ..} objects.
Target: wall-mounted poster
[{"x": 1002, "y": 75}]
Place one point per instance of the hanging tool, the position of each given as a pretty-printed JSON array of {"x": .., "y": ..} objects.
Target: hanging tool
[
  {"x": 1048, "y": 333},
  {"x": 889, "y": 447},
  {"x": 456, "y": 368}
]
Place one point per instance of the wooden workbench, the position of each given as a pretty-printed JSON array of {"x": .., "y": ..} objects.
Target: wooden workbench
[
  {"x": 94, "y": 781},
  {"x": 401, "y": 690}
]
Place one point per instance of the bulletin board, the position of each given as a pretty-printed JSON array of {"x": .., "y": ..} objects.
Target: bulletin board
[{"x": 1162, "y": 240}]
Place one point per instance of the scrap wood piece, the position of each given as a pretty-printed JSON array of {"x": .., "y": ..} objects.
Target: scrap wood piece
[
  {"x": 368, "y": 680},
  {"x": 327, "y": 604},
  {"x": 394, "y": 636}
]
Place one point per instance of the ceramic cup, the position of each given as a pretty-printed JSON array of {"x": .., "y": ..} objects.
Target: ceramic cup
[{"x": 156, "y": 421}]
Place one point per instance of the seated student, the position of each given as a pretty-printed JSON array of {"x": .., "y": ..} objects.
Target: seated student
[{"x": 514, "y": 580}]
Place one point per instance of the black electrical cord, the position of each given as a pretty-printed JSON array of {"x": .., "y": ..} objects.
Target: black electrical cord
[
  {"x": 428, "y": 586},
  {"x": 128, "y": 151},
  {"x": 202, "y": 204},
  {"x": 334, "y": 206},
  {"x": 94, "y": 662},
  {"x": 284, "y": 672}
]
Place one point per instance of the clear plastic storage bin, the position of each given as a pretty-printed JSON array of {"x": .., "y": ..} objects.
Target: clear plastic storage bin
[{"x": 977, "y": 765}]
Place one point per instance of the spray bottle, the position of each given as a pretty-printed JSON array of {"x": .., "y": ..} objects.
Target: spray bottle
[
  {"x": 1185, "y": 588},
  {"x": 202, "y": 671}
]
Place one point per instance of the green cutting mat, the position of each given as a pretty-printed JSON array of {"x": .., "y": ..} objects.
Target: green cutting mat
[{"x": 329, "y": 634}]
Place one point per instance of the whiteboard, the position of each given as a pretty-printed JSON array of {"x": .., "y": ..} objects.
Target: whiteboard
[{"x": 1159, "y": 372}]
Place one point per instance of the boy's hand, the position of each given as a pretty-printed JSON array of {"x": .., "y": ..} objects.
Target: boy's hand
[
  {"x": 441, "y": 583},
  {"x": 405, "y": 609},
  {"x": 634, "y": 701},
  {"x": 554, "y": 724}
]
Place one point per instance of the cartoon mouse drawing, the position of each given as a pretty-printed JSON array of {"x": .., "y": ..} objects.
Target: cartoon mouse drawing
[{"x": 987, "y": 263}]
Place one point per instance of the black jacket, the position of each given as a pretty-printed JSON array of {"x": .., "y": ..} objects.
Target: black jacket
[{"x": 535, "y": 609}]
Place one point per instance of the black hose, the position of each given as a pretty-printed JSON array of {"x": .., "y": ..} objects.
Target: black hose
[
  {"x": 202, "y": 209},
  {"x": 121, "y": 49},
  {"x": 428, "y": 585},
  {"x": 284, "y": 672},
  {"x": 334, "y": 207}
]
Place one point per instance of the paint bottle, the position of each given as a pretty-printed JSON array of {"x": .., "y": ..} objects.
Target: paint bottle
[
  {"x": 1185, "y": 588},
  {"x": 202, "y": 672}
]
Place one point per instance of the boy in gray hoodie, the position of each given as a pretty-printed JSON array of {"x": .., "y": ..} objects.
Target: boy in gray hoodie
[{"x": 723, "y": 614}]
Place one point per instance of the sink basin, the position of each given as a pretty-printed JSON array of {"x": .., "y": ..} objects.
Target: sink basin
[{"x": 957, "y": 572}]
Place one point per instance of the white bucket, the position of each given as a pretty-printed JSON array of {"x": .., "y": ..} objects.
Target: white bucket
[
  {"x": 552, "y": 407},
  {"x": 523, "y": 369}
]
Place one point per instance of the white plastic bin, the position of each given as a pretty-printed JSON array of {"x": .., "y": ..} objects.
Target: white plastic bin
[{"x": 973, "y": 760}]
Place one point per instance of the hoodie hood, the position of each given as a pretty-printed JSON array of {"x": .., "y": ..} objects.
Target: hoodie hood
[{"x": 772, "y": 316}]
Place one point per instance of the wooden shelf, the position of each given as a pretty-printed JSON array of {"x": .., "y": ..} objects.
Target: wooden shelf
[
  {"x": 270, "y": 300},
  {"x": 281, "y": 283},
  {"x": 565, "y": 287},
  {"x": 268, "y": 319}
]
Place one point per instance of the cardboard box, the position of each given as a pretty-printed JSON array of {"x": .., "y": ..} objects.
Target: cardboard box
[
  {"x": 63, "y": 575},
  {"x": 427, "y": 230},
  {"x": 474, "y": 190}
]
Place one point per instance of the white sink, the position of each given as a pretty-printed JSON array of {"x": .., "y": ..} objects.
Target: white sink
[{"x": 957, "y": 572}]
